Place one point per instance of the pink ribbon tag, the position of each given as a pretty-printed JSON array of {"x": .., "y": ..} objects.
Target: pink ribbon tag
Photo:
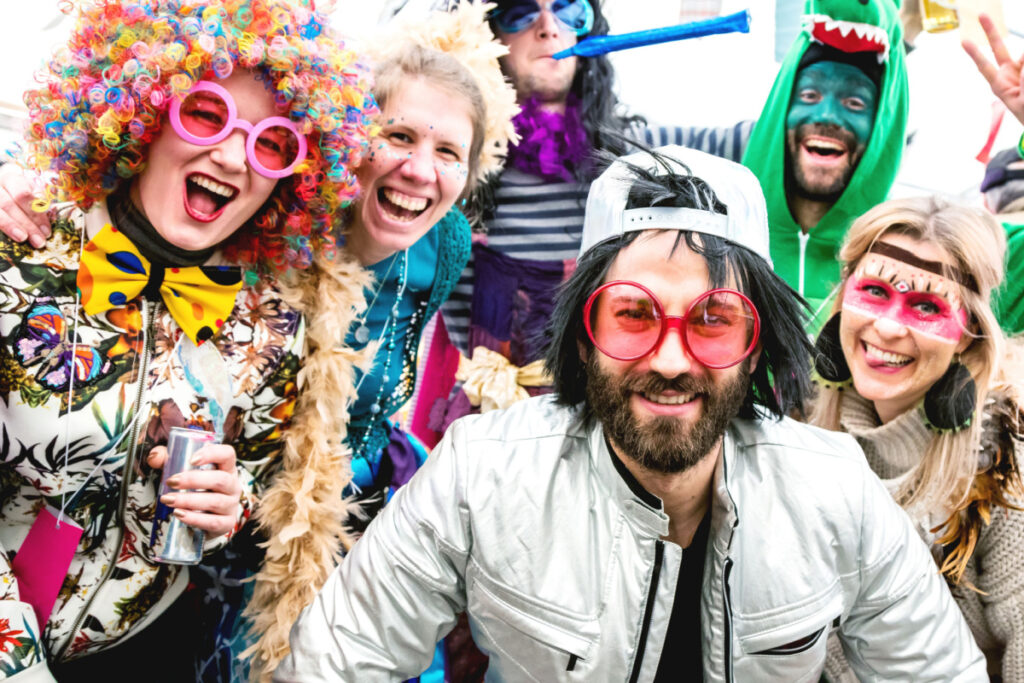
[
  {"x": 985, "y": 155},
  {"x": 43, "y": 561}
]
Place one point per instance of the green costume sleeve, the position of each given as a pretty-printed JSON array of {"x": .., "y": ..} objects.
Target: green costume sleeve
[{"x": 1009, "y": 300}]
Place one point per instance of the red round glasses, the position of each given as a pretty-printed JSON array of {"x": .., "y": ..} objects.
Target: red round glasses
[{"x": 625, "y": 321}]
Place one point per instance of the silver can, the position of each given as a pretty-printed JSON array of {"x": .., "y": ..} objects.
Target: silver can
[{"x": 173, "y": 541}]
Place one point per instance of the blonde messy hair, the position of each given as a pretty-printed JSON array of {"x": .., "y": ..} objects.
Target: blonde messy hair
[
  {"x": 411, "y": 62},
  {"x": 457, "y": 51},
  {"x": 975, "y": 244}
]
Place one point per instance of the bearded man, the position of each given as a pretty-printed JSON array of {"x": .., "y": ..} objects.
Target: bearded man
[
  {"x": 657, "y": 517},
  {"x": 531, "y": 214},
  {"x": 828, "y": 143}
]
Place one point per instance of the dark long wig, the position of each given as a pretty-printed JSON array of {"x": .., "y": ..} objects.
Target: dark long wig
[{"x": 604, "y": 120}]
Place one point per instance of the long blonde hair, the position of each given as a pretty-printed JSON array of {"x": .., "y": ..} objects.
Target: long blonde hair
[{"x": 976, "y": 245}]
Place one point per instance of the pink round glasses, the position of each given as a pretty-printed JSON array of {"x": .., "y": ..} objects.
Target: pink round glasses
[
  {"x": 208, "y": 114},
  {"x": 626, "y": 321}
]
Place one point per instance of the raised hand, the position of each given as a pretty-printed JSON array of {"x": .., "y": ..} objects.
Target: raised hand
[
  {"x": 1005, "y": 77},
  {"x": 17, "y": 219}
]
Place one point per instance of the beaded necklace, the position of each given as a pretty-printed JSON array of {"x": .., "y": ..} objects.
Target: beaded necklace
[
  {"x": 388, "y": 335},
  {"x": 362, "y": 333}
]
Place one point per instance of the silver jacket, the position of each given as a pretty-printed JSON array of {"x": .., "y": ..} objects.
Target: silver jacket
[{"x": 521, "y": 519}]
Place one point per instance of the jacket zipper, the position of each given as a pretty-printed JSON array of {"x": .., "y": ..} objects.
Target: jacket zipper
[
  {"x": 728, "y": 619},
  {"x": 126, "y": 469},
  {"x": 803, "y": 237},
  {"x": 638, "y": 661}
]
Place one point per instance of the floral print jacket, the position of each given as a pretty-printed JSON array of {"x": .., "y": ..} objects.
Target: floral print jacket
[{"x": 84, "y": 446}]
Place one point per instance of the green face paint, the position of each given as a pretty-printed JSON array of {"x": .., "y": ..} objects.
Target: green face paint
[
  {"x": 834, "y": 93},
  {"x": 829, "y": 122}
]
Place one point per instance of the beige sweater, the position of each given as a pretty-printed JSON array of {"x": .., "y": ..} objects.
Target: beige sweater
[{"x": 996, "y": 616}]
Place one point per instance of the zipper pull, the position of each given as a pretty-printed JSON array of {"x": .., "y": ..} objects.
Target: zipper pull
[{"x": 803, "y": 237}]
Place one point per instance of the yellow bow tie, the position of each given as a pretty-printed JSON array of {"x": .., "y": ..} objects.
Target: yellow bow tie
[
  {"x": 112, "y": 272},
  {"x": 492, "y": 382}
]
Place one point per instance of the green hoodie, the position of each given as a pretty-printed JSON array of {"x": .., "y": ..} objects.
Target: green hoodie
[{"x": 851, "y": 26}]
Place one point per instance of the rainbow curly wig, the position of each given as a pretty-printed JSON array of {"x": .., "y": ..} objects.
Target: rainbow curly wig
[{"x": 103, "y": 97}]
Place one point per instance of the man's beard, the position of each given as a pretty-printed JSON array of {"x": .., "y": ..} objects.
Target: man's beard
[
  {"x": 546, "y": 90},
  {"x": 664, "y": 443},
  {"x": 821, "y": 189}
]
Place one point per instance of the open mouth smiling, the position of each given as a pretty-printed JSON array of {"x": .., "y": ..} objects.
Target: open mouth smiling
[
  {"x": 824, "y": 149},
  {"x": 669, "y": 400},
  {"x": 205, "y": 198},
  {"x": 401, "y": 207},
  {"x": 877, "y": 356}
]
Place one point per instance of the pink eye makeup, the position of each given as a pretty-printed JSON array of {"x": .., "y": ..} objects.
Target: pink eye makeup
[{"x": 884, "y": 287}]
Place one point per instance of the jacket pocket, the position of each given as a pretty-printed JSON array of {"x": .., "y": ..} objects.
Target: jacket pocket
[
  {"x": 799, "y": 658},
  {"x": 525, "y": 637},
  {"x": 797, "y": 646},
  {"x": 788, "y": 642}
]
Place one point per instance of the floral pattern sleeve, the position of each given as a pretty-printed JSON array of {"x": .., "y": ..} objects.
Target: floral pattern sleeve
[
  {"x": 20, "y": 648},
  {"x": 249, "y": 392},
  {"x": 261, "y": 437},
  {"x": 136, "y": 375}
]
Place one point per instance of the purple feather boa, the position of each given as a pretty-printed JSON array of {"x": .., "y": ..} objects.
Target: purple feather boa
[{"x": 551, "y": 145}]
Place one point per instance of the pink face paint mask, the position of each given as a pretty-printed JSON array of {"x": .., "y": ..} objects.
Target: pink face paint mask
[{"x": 885, "y": 288}]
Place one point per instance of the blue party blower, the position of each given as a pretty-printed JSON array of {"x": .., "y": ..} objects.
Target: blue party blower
[{"x": 599, "y": 45}]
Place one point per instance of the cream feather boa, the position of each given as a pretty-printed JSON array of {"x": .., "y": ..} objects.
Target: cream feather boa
[{"x": 303, "y": 512}]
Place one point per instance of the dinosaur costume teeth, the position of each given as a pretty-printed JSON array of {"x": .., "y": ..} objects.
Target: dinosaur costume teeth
[{"x": 848, "y": 36}]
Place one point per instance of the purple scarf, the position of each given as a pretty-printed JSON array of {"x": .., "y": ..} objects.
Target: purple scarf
[{"x": 551, "y": 145}]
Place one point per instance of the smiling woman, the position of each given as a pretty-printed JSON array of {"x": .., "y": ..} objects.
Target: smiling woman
[
  {"x": 405, "y": 229},
  {"x": 445, "y": 119},
  {"x": 197, "y": 190},
  {"x": 420, "y": 164},
  {"x": 913, "y": 365},
  {"x": 445, "y": 123},
  {"x": 194, "y": 156}
]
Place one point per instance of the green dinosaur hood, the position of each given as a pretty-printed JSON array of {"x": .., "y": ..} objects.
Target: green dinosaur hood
[{"x": 851, "y": 26}]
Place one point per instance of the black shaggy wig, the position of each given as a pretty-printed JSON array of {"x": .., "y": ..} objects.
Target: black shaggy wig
[
  {"x": 599, "y": 107},
  {"x": 785, "y": 347}
]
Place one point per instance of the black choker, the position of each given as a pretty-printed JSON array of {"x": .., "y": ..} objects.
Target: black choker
[{"x": 129, "y": 219}]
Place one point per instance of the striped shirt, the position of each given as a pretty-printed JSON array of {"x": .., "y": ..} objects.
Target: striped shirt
[{"x": 542, "y": 220}]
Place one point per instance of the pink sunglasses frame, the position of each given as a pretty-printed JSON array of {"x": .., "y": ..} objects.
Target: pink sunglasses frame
[
  {"x": 252, "y": 131},
  {"x": 673, "y": 321}
]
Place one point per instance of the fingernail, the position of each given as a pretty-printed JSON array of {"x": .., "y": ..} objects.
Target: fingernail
[
  {"x": 168, "y": 499},
  {"x": 197, "y": 460},
  {"x": 174, "y": 481},
  {"x": 18, "y": 235},
  {"x": 179, "y": 513},
  {"x": 37, "y": 241}
]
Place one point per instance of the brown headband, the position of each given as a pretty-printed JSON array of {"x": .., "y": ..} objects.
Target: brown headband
[{"x": 894, "y": 252}]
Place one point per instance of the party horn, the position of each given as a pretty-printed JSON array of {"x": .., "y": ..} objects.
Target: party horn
[{"x": 599, "y": 45}]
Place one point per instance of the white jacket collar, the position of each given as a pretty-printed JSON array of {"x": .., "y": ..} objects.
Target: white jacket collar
[{"x": 646, "y": 519}]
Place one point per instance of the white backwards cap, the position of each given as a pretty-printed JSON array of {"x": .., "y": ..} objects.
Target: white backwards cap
[{"x": 735, "y": 186}]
